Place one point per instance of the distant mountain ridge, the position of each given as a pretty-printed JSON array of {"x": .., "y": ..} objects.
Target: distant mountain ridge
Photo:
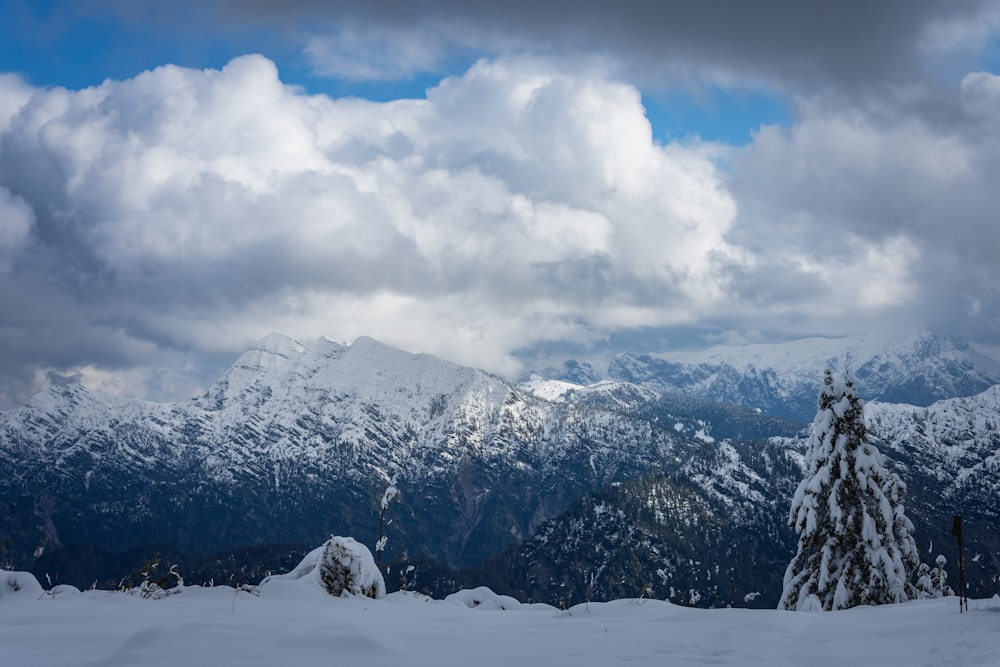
[
  {"x": 297, "y": 441},
  {"x": 780, "y": 378}
]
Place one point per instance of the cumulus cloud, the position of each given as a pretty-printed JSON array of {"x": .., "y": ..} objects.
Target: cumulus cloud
[
  {"x": 201, "y": 209},
  {"x": 13, "y": 94},
  {"x": 895, "y": 192},
  {"x": 168, "y": 220}
]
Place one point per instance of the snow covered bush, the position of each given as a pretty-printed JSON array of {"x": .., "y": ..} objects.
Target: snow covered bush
[
  {"x": 923, "y": 586},
  {"x": 342, "y": 566},
  {"x": 933, "y": 583},
  {"x": 62, "y": 589},
  {"x": 348, "y": 567},
  {"x": 939, "y": 579},
  {"x": 855, "y": 546},
  {"x": 153, "y": 585},
  {"x": 483, "y": 598},
  {"x": 19, "y": 583}
]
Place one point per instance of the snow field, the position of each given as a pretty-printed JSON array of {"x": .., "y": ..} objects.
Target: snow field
[{"x": 293, "y": 624}]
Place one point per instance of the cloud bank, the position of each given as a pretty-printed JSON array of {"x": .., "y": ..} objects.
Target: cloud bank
[
  {"x": 165, "y": 221},
  {"x": 778, "y": 43}
]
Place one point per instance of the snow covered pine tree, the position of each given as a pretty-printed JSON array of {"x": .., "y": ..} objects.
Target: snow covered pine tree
[{"x": 855, "y": 546}]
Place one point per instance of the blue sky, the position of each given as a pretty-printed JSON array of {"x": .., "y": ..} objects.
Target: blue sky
[
  {"x": 57, "y": 43},
  {"x": 496, "y": 184}
]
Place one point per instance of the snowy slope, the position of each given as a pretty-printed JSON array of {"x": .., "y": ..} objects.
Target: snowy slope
[
  {"x": 281, "y": 402},
  {"x": 949, "y": 456},
  {"x": 218, "y": 626},
  {"x": 550, "y": 390},
  {"x": 956, "y": 443},
  {"x": 288, "y": 403}
]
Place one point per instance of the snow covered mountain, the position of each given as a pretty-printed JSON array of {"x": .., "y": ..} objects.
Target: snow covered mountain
[
  {"x": 296, "y": 442},
  {"x": 949, "y": 456},
  {"x": 781, "y": 378},
  {"x": 714, "y": 528}
]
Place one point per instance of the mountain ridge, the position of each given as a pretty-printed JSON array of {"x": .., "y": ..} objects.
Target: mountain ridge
[
  {"x": 780, "y": 378},
  {"x": 297, "y": 441},
  {"x": 290, "y": 422}
]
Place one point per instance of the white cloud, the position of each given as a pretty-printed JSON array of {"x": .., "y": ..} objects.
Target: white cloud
[
  {"x": 882, "y": 207},
  {"x": 516, "y": 204},
  {"x": 14, "y": 94},
  {"x": 980, "y": 94},
  {"x": 877, "y": 276},
  {"x": 969, "y": 31},
  {"x": 195, "y": 211}
]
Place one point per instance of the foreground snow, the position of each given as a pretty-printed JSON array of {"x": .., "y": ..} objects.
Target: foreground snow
[{"x": 291, "y": 624}]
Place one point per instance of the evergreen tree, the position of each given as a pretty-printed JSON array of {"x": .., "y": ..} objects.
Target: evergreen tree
[{"x": 855, "y": 546}]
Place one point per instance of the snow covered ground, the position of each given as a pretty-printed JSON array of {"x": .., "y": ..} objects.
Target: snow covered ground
[{"x": 290, "y": 624}]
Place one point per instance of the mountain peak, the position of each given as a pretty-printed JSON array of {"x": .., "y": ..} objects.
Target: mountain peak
[
  {"x": 278, "y": 344},
  {"x": 366, "y": 343}
]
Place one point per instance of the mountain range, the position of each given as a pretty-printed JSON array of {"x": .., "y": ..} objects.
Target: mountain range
[
  {"x": 549, "y": 489},
  {"x": 780, "y": 379}
]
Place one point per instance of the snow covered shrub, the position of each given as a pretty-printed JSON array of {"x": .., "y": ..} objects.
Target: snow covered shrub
[
  {"x": 939, "y": 578},
  {"x": 855, "y": 546},
  {"x": 153, "y": 586},
  {"x": 342, "y": 566},
  {"x": 19, "y": 583},
  {"x": 483, "y": 598},
  {"x": 933, "y": 583},
  {"x": 62, "y": 589},
  {"x": 347, "y": 567},
  {"x": 923, "y": 586}
]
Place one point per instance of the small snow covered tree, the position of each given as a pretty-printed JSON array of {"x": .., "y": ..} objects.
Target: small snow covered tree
[
  {"x": 855, "y": 545},
  {"x": 923, "y": 586},
  {"x": 939, "y": 579}
]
